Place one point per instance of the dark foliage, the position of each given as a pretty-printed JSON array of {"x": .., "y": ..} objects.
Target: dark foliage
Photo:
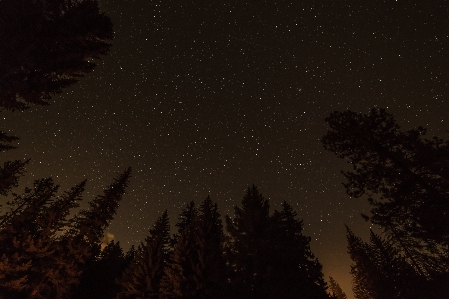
[
  {"x": 336, "y": 290},
  {"x": 406, "y": 180},
  {"x": 44, "y": 252},
  {"x": 268, "y": 255},
  {"x": 197, "y": 267},
  {"x": 98, "y": 280},
  {"x": 405, "y": 176},
  {"x": 47, "y": 46},
  {"x": 142, "y": 277}
]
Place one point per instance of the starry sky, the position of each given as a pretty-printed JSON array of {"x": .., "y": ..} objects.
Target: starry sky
[{"x": 209, "y": 97}]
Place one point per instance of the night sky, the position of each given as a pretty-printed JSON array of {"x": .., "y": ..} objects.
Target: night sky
[{"x": 211, "y": 97}]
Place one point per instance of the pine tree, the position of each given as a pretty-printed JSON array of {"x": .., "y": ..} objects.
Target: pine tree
[
  {"x": 197, "y": 267},
  {"x": 187, "y": 216},
  {"x": 336, "y": 290},
  {"x": 248, "y": 248},
  {"x": 404, "y": 176},
  {"x": 98, "y": 280},
  {"x": 81, "y": 242},
  {"x": 380, "y": 271},
  {"x": 269, "y": 255},
  {"x": 210, "y": 272},
  {"x": 90, "y": 224},
  {"x": 20, "y": 236},
  {"x": 294, "y": 269},
  {"x": 143, "y": 276},
  {"x": 32, "y": 234},
  {"x": 364, "y": 274},
  {"x": 406, "y": 179},
  {"x": 50, "y": 274}
]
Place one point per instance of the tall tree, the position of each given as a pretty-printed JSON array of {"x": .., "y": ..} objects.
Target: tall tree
[
  {"x": 90, "y": 224},
  {"x": 142, "y": 278},
  {"x": 81, "y": 241},
  {"x": 188, "y": 214},
  {"x": 335, "y": 289},
  {"x": 18, "y": 235},
  {"x": 249, "y": 248},
  {"x": 406, "y": 180},
  {"x": 294, "y": 268},
  {"x": 98, "y": 280},
  {"x": 269, "y": 256},
  {"x": 197, "y": 267},
  {"x": 30, "y": 237},
  {"x": 380, "y": 271}
]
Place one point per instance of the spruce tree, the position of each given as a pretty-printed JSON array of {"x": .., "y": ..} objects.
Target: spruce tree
[
  {"x": 404, "y": 176},
  {"x": 269, "y": 256},
  {"x": 249, "y": 248},
  {"x": 294, "y": 269},
  {"x": 197, "y": 267},
  {"x": 380, "y": 271},
  {"x": 143, "y": 276},
  {"x": 335, "y": 289},
  {"x": 81, "y": 242},
  {"x": 21, "y": 238},
  {"x": 98, "y": 280},
  {"x": 187, "y": 216},
  {"x": 405, "y": 179},
  {"x": 31, "y": 237}
]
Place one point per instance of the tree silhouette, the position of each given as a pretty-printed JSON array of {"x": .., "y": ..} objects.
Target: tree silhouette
[
  {"x": 143, "y": 276},
  {"x": 44, "y": 252},
  {"x": 380, "y": 271},
  {"x": 294, "y": 269},
  {"x": 336, "y": 290},
  {"x": 197, "y": 267},
  {"x": 48, "y": 45},
  {"x": 98, "y": 280},
  {"x": 268, "y": 255},
  {"x": 405, "y": 177},
  {"x": 248, "y": 246}
]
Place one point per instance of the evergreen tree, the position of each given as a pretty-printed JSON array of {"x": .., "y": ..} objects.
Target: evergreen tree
[
  {"x": 197, "y": 267},
  {"x": 30, "y": 237},
  {"x": 187, "y": 216},
  {"x": 249, "y": 248},
  {"x": 294, "y": 269},
  {"x": 10, "y": 173},
  {"x": 405, "y": 176},
  {"x": 269, "y": 256},
  {"x": 90, "y": 224},
  {"x": 364, "y": 274},
  {"x": 18, "y": 235},
  {"x": 380, "y": 271},
  {"x": 406, "y": 179},
  {"x": 142, "y": 278},
  {"x": 81, "y": 242},
  {"x": 98, "y": 280},
  {"x": 210, "y": 271},
  {"x": 336, "y": 290}
]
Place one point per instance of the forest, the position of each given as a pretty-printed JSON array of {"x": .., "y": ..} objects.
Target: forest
[{"x": 52, "y": 248}]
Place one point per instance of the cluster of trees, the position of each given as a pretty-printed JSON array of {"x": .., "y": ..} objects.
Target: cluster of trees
[
  {"x": 45, "y": 253},
  {"x": 50, "y": 248},
  {"x": 405, "y": 178}
]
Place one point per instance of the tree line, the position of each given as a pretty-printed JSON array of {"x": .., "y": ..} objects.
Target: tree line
[{"x": 45, "y": 253}]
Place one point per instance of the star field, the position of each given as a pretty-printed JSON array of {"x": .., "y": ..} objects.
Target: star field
[{"x": 210, "y": 97}]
